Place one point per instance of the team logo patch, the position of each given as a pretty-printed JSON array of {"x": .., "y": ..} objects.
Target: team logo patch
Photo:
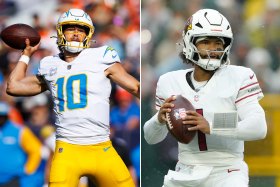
[
  {"x": 53, "y": 71},
  {"x": 109, "y": 49},
  {"x": 188, "y": 25},
  {"x": 67, "y": 13}
]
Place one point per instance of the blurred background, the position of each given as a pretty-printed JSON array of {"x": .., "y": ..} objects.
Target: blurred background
[
  {"x": 256, "y": 28},
  {"x": 117, "y": 24}
]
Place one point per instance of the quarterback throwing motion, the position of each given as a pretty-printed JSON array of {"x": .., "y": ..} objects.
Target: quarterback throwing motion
[
  {"x": 79, "y": 81},
  {"x": 227, "y": 109}
]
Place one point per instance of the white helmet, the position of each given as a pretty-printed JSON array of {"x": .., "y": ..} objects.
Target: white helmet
[
  {"x": 74, "y": 17},
  {"x": 204, "y": 23}
]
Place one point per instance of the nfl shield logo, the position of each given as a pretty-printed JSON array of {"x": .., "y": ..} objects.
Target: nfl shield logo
[{"x": 180, "y": 113}]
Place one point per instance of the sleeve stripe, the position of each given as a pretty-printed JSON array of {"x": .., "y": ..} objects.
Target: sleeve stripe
[
  {"x": 158, "y": 105},
  {"x": 248, "y": 85},
  {"x": 113, "y": 62},
  {"x": 248, "y": 96},
  {"x": 160, "y": 98}
]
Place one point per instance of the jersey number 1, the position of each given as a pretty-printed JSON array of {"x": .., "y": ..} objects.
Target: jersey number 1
[{"x": 75, "y": 88}]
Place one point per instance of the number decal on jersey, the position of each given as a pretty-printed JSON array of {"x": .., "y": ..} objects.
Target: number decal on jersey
[
  {"x": 202, "y": 144},
  {"x": 76, "y": 92},
  {"x": 60, "y": 95}
]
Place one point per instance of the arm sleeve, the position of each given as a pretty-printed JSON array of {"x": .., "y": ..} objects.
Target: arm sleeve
[
  {"x": 252, "y": 124},
  {"x": 249, "y": 89},
  {"x": 154, "y": 131},
  {"x": 32, "y": 146}
]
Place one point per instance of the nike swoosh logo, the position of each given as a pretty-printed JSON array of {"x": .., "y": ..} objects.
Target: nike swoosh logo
[
  {"x": 114, "y": 56},
  {"x": 252, "y": 76},
  {"x": 231, "y": 170},
  {"x": 106, "y": 149}
]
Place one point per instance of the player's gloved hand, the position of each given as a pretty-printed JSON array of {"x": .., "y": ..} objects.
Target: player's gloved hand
[
  {"x": 165, "y": 108},
  {"x": 29, "y": 50},
  {"x": 194, "y": 118}
]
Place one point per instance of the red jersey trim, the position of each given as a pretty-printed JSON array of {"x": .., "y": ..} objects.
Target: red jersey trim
[
  {"x": 248, "y": 96},
  {"x": 248, "y": 85},
  {"x": 160, "y": 98},
  {"x": 158, "y": 105}
]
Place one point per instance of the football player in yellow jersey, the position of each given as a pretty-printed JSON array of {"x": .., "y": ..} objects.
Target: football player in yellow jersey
[{"x": 79, "y": 81}]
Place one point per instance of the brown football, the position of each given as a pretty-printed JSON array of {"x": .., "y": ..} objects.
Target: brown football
[
  {"x": 15, "y": 35},
  {"x": 174, "y": 120}
]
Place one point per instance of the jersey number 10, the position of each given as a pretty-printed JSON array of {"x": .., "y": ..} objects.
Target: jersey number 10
[{"x": 72, "y": 91}]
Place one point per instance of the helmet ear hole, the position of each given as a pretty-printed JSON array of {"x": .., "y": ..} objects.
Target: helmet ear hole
[
  {"x": 196, "y": 56},
  {"x": 87, "y": 30},
  {"x": 224, "y": 59}
]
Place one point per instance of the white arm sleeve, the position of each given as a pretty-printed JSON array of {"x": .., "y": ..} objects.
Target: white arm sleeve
[
  {"x": 154, "y": 131},
  {"x": 252, "y": 125}
]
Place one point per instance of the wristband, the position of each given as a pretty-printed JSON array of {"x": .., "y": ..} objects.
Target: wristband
[{"x": 25, "y": 59}]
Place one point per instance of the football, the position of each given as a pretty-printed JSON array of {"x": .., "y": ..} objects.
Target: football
[
  {"x": 174, "y": 120},
  {"x": 15, "y": 35}
]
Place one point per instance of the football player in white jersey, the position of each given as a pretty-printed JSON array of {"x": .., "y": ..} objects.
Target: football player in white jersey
[
  {"x": 79, "y": 81},
  {"x": 227, "y": 108}
]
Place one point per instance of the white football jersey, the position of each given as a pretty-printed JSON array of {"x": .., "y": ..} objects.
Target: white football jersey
[
  {"x": 229, "y": 88},
  {"x": 80, "y": 91}
]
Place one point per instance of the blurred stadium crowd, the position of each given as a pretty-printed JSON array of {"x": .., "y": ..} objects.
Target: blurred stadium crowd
[
  {"x": 256, "y": 28},
  {"x": 117, "y": 24}
]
